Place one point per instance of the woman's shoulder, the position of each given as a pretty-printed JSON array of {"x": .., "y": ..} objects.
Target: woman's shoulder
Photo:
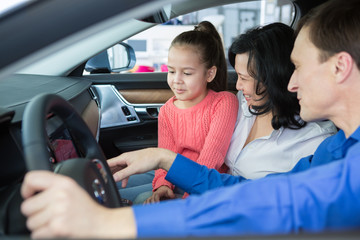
[
  {"x": 322, "y": 127},
  {"x": 314, "y": 129}
]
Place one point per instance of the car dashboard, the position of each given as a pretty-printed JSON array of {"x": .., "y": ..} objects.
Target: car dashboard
[{"x": 61, "y": 146}]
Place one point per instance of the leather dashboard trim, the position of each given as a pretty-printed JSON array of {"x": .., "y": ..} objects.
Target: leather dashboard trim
[{"x": 144, "y": 96}]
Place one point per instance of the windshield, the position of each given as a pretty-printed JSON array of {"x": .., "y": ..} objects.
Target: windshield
[{"x": 7, "y": 6}]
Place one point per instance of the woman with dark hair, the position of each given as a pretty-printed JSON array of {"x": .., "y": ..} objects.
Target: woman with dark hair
[{"x": 269, "y": 137}]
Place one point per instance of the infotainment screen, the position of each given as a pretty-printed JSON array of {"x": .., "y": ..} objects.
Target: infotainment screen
[{"x": 62, "y": 145}]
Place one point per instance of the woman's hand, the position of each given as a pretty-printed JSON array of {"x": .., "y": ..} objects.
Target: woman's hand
[
  {"x": 162, "y": 193},
  {"x": 140, "y": 161}
]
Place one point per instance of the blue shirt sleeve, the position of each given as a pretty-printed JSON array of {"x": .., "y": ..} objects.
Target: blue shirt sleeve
[
  {"x": 194, "y": 178},
  {"x": 322, "y": 198}
]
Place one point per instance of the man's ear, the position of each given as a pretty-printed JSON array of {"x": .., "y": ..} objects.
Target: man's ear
[
  {"x": 211, "y": 73},
  {"x": 344, "y": 64}
]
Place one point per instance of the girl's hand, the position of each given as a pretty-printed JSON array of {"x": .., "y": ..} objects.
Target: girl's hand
[{"x": 162, "y": 193}]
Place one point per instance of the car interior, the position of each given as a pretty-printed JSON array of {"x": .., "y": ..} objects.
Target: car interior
[{"x": 53, "y": 115}]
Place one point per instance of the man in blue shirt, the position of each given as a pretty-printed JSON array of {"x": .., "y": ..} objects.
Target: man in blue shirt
[{"x": 321, "y": 193}]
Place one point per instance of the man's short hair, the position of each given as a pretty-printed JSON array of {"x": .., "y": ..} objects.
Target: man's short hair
[{"x": 334, "y": 27}]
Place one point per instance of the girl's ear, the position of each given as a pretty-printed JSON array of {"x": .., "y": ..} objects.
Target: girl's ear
[{"x": 211, "y": 73}]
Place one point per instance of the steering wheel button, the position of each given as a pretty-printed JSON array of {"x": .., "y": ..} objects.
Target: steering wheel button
[{"x": 99, "y": 191}]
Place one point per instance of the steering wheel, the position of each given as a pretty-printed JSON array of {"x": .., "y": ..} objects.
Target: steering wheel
[{"x": 91, "y": 171}]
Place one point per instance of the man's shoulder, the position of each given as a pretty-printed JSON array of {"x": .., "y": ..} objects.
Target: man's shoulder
[
  {"x": 325, "y": 146},
  {"x": 327, "y": 141}
]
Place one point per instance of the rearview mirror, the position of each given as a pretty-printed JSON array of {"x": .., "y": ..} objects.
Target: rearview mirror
[
  {"x": 120, "y": 57},
  {"x": 161, "y": 16}
]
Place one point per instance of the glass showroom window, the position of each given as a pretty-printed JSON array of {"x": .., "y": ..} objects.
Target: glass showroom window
[{"x": 151, "y": 46}]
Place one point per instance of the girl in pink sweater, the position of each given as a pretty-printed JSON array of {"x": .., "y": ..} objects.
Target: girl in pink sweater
[{"x": 199, "y": 120}]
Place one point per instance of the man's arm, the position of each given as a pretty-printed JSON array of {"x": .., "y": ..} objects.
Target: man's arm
[
  {"x": 322, "y": 198},
  {"x": 140, "y": 161},
  {"x": 188, "y": 175},
  {"x": 182, "y": 172},
  {"x": 197, "y": 179}
]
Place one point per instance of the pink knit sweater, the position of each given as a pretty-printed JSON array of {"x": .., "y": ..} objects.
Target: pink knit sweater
[{"x": 201, "y": 133}]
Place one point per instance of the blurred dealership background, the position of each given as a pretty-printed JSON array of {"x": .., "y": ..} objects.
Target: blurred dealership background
[{"x": 151, "y": 46}]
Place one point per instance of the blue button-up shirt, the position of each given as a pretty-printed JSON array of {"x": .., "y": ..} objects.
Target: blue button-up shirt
[{"x": 321, "y": 193}]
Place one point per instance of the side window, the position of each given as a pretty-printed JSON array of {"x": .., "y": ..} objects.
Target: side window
[{"x": 151, "y": 46}]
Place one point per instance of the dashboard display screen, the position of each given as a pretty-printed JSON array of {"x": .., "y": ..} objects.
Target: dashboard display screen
[{"x": 62, "y": 146}]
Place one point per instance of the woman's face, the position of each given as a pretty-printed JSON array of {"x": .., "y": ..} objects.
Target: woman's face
[{"x": 245, "y": 82}]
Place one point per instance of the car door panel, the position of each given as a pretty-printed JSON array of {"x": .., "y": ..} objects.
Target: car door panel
[{"x": 130, "y": 105}]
